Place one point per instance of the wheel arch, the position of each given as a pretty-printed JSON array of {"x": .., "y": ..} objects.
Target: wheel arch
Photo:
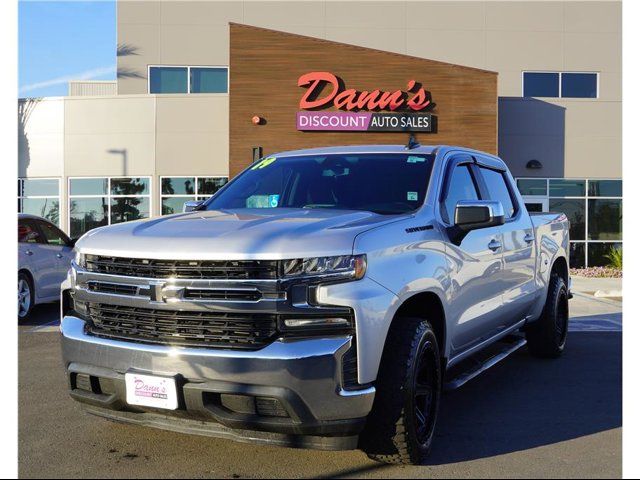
[
  {"x": 429, "y": 306},
  {"x": 561, "y": 268}
]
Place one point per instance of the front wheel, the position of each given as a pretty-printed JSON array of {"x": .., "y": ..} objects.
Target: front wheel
[
  {"x": 547, "y": 337},
  {"x": 401, "y": 425},
  {"x": 25, "y": 296}
]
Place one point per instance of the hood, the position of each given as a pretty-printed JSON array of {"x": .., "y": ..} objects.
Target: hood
[{"x": 236, "y": 234}]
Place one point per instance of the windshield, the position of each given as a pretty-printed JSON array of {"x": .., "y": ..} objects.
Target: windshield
[{"x": 388, "y": 183}]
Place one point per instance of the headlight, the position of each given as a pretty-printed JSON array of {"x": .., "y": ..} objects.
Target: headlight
[
  {"x": 347, "y": 266},
  {"x": 80, "y": 260}
]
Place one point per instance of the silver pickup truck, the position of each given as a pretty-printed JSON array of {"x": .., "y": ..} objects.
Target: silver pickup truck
[{"x": 324, "y": 298}]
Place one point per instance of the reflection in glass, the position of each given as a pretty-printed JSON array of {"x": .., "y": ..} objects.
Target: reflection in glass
[
  {"x": 174, "y": 204},
  {"x": 598, "y": 252},
  {"x": 574, "y": 209},
  {"x": 87, "y": 213},
  {"x": 605, "y": 219},
  {"x": 576, "y": 255},
  {"x": 88, "y": 186},
  {"x": 532, "y": 186},
  {"x": 125, "y": 209},
  {"x": 48, "y": 208},
  {"x": 605, "y": 188},
  {"x": 566, "y": 188},
  {"x": 178, "y": 186},
  {"x": 129, "y": 186},
  {"x": 209, "y": 185}
]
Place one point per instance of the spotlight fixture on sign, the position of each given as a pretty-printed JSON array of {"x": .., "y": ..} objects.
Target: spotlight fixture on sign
[
  {"x": 256, "y": 120},
  {"x": 534, "y": 165}
]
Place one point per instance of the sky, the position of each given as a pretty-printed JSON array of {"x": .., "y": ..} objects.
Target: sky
[{"x": 63, "y": 41}]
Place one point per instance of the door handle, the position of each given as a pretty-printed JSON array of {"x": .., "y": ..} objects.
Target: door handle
[
  {"x": 28, "y": 252},
  {"x": 529, "y": 238},
  {"x": 59, "y": 255},
  {"x": 494, "y": 245}
]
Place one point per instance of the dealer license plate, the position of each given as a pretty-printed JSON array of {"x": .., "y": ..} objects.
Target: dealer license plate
[{"x": 151, "y": 391}]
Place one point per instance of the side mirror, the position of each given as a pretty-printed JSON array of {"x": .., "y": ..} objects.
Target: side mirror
[
  {"x": 72, "y": 242},
  {"x": 473, "y": 215},
  {"x": 192, "y": 205}
]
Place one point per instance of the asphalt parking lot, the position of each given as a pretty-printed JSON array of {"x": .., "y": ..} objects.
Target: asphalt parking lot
[{"x": 523, "y": 418}]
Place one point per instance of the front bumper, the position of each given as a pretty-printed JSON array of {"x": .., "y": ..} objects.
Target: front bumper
[{"x": 303, "y": 376}]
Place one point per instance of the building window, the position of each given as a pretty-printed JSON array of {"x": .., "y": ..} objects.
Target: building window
[
  {"x": 41, "y": 197},
  {"x": 186, "y": 79},
  {"x": 95, "y": 202},
  {"x": 594, "y": 210},
  {"x": 560, "y": 84},
  {"x": 175, "y": 191},
  {"x": 540, "y": 84}
]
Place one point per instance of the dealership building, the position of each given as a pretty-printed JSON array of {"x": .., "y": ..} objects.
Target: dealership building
[{"x": 204, "y": 89}]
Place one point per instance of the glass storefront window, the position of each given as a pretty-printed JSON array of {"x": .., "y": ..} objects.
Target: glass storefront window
[
  {"x": 574, "y": 209},
  {"x": 86, "y": 214},
  {"x": 95, "y": 202},
  {"x": 577, "y": 255},
  {"x": 178, "y": 190},
  {"x": 178, "y": 186},
  {"x": 566, "y": 188},
  {"x": 41, "y": 197},
  {"x": 605, "y": 219},
  {"x": 605, "y": 188},
  {"x": 532, "y": 186},
  {"x": 125, "y": 209},
  {"x": 598, "y": 252},
  {"x": 593, "y": 207}
]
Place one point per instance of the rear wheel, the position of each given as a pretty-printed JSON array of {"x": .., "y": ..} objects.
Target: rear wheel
[
  {"x": 401, "y": 425},
  {"x": 25, "y": 296},
  {"x": 547, "y": 337}
]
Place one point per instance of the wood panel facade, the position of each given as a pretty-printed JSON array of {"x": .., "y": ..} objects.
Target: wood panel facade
[{"x": 265, "y": 66}]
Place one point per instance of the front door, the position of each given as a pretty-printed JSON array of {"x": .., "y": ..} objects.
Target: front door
[{"x": 476, "y": 264}]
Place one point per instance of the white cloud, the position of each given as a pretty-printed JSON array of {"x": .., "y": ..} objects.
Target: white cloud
[{"x": 86, "y": 75}]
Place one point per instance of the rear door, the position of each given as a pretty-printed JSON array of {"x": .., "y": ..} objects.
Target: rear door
[
  {"x": 476, "y": 264},
  {"x": 518, "y": 245},
  {"x": 58, "y": 248},
  {"x": 31, "y": 255}
]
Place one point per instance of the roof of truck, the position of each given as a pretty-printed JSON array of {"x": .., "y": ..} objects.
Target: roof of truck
[{"x": 423, "y": 149}]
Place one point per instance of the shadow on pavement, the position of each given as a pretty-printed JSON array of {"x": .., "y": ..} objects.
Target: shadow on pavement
[
  {"x": 44, "y": 314},
  {"x": 525, "y": 402}
]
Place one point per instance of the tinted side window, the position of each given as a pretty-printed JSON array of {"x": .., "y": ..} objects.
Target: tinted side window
[
  {"x": 461, "y": 187},
  {"x": 498, "y": 190},
  {"x": 53, "y": 235},
  {"x": 28, "y": 233}
]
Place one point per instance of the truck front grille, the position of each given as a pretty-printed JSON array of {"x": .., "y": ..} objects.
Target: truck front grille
[
  {"x": 190, "y": 269},
  {"x": 249, "y": 331}
]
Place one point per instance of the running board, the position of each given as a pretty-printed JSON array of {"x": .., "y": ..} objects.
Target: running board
[{"x": 513, "y": 344}]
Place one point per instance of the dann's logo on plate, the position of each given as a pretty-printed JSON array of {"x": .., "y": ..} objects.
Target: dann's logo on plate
[{"x": 376, "y": 110}]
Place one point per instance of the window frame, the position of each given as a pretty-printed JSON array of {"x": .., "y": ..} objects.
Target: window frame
[
  {"x": 560, "y": 73},
  {"x": 58, "y": 197},
  {"x": 108, "y": 195},
  {"x": 196, "y": 193},
  {"x": 188, "y": 67},
  {"x": 452, "y": 163}
]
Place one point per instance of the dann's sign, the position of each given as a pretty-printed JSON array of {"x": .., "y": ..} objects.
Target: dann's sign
[{"x": 375, "y": 111}]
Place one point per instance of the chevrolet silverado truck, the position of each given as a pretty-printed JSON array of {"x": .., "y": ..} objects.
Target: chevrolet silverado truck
[{"x": 323, "y": 298}]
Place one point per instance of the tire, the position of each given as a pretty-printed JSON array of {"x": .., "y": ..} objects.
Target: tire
[
  {"x": 394, "y": 432},
  {"x": 26, "y": 296},
  {"x": 547, "y": 337}
]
